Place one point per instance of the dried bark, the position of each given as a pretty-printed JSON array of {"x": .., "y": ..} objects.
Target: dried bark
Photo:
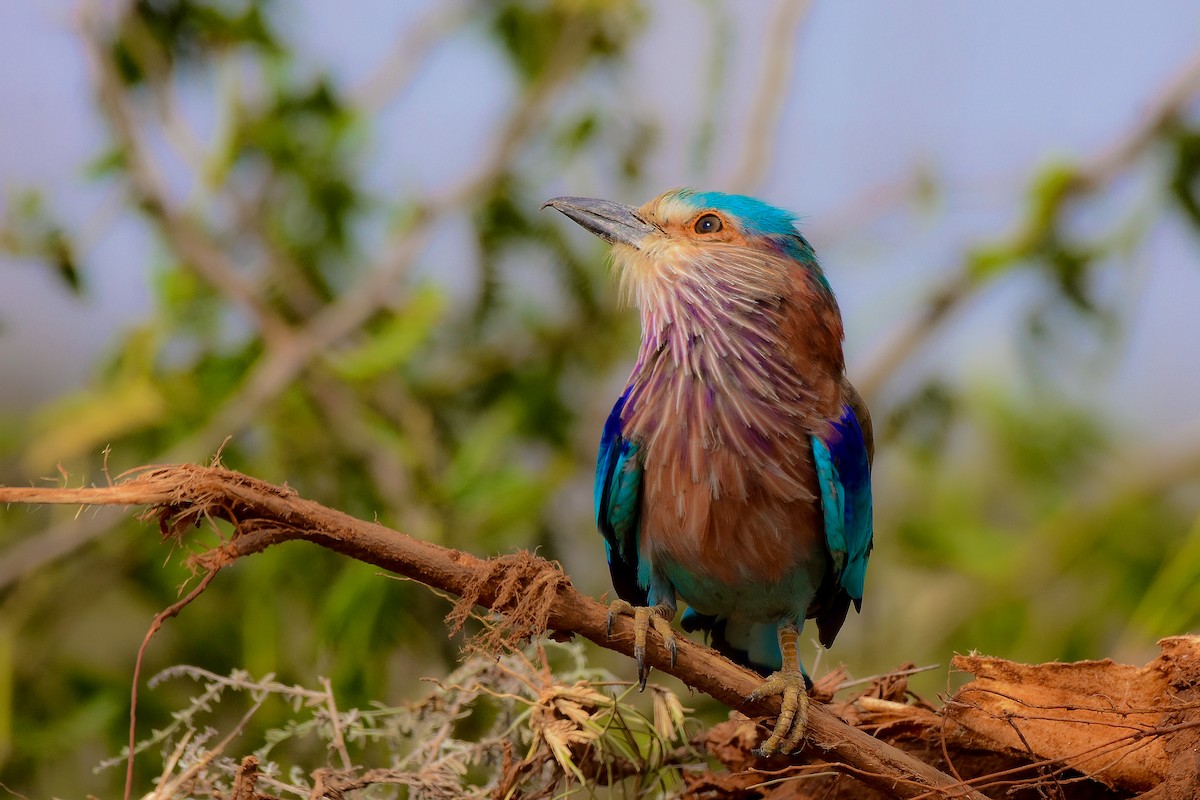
[
  {"x": 1129, "y": 728},
  {"x": 1016, "y": 730}
]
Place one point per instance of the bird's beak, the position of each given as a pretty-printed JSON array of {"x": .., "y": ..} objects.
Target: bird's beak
[{"x": 612, "y": 222}]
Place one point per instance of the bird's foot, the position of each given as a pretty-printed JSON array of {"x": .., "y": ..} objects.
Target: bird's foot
[
  {"x": 644, "y": 617},
  {"x": 788, "y": 734}
]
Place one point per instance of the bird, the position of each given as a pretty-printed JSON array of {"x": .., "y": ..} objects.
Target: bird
[{"x": 734, "y": 470}]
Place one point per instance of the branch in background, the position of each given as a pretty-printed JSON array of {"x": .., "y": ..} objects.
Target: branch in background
[
  {"x": 289, "y": 350},
  {"x": 533, "y": 594},
  {"x": 186, "y": 236},
  {"x": 413, "y": 47},
  {"x": 972, "y": 276},
  {"x": 287, "y": 358},
  {"x": 763, "y": 126}
]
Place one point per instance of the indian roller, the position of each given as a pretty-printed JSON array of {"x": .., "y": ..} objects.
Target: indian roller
[{"x": 734, "y": 471}]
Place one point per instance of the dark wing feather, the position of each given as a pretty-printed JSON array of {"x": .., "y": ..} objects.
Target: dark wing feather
[
  {"x": 618, "y": 496},
  {"x": 859, "y": 407},
  {"x": 843, "y": 460}
]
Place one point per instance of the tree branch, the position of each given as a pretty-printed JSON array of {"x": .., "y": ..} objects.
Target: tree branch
[
  {"x": 186, "y": 235},
  {"x": 1087, "y": 178},
  {"x": 534, "y": 595},
  {"x": 761, "y": 131}
]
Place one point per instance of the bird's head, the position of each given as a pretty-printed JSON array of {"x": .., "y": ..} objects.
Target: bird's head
[{"x": 688, "y": 237}]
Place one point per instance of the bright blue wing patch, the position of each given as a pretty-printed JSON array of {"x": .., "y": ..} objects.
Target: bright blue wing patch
[
  {"x": 833, "y": 505},
  {"x": 618, "y": 494},
  {"x": 844, "y": 475}
]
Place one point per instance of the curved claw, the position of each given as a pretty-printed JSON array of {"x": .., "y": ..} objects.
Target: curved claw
[
  {"x": 792, "y": 723},
  {"x": 792, "y": 685},
  {"x": 644, "y": 617}
]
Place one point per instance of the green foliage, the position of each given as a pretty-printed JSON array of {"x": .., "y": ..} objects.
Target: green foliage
[
  {"x": 1047, "y": 564},
  {"x": 1043, "y": 243},
  {"x": 1185, "y": 173},
  {"x": 394, "y": 343},
  {"x": 454, "y": 422},
  {"x": 303, "y": 328},
  {"x": 305, "y": 134},
  {"x": 29, "y": 231},
  {"x": 539, "y": 36},
  {"x": 159, "y": 36}
]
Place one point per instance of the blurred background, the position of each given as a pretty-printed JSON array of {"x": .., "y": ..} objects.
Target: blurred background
[{"x": 308, "y": 235}]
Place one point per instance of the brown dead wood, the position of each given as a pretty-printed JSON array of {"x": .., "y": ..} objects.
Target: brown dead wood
[
  {"x": 246, "y": 780},
  {"x": 1092, "y": 729},
  {"x": 1135, "y": 729},
  {"x": 1000, "y": 733}
]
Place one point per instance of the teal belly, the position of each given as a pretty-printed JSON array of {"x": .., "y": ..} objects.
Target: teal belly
[{"x": 786, "y": 599}]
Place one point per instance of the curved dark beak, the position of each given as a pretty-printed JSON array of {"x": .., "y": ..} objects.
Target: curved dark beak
[{"x": 612, "y": 222}]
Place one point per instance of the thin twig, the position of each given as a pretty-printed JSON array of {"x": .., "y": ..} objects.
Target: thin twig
[
  {"x": 168, "y": 790},
  {"x": 893, "y": 674},
  {"x": 338, "y": 742},
  {"x": 159, "y": 619}
]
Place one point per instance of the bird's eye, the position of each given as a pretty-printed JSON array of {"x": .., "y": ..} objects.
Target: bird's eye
[{"x": 708, "y": 223}]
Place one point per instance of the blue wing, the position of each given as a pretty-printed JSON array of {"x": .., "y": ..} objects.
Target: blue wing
[
  {"x": 618, "y": 495},
  {"x": 843, "y": 462},
  {"x": 843, "y": 465}
]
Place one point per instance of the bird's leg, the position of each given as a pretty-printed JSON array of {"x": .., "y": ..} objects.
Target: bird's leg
[
  {"x": 660, "y": 617},
  {"x": 792, "y": 685}
]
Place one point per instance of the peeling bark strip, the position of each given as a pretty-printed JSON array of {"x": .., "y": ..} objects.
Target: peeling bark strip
[
  {"x": 1127, "y": 727},
  {"x": 1016, "y": 729},
  {"x": 247, "y": 777},
  {"x": 1094, "y": 730}
]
